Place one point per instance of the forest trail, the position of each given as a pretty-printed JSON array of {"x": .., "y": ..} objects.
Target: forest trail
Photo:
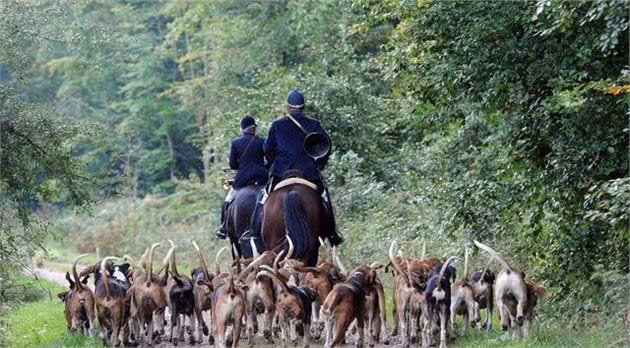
[{"x": 59, "y": 277}]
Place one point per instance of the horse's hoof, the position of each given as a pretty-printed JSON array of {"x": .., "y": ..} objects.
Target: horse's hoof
[{"x": 211, "y": 340}]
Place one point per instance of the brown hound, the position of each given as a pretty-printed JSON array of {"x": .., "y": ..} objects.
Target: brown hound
[
  {"x": 79, "y": 301},
  {"x": 345, "y": 303}
]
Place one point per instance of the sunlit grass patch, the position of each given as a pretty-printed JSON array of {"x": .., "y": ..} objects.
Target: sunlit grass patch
[{"x": 41, "y": 323}]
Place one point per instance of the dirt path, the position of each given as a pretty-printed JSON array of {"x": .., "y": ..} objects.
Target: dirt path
[{"x": 59, "y": 277}]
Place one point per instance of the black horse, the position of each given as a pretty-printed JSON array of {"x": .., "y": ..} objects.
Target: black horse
[{"x": 239, "y": 216}]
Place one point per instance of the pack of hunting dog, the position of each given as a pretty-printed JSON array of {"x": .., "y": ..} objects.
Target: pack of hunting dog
[{"x": 278, "y": 288}]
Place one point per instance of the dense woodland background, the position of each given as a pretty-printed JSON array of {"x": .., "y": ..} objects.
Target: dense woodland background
[{"x": 503, "y": 121}]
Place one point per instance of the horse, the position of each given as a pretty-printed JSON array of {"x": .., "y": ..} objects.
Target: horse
[
  {"x": 294, "y": 210},
  {"x": 239, "y": 216}
]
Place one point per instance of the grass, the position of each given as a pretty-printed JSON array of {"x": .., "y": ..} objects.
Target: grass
[{"x": 41, "y": 323}]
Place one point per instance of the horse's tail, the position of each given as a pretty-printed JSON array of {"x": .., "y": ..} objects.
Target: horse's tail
[{"x": 296, "y": 224}]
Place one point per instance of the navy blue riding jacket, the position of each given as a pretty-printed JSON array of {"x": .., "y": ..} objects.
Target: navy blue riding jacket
[
  {"x": 284, "y": 147},
  {"x": 247, "y": 156}
]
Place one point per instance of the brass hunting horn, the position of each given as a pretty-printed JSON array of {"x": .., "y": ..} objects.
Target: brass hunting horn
[{"x": 316, "y": 144}]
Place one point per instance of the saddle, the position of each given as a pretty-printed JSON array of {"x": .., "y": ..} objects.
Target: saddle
[{"x": 293, "y": 181}]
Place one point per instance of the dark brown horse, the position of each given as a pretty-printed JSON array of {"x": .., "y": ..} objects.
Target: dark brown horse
[{"x": 296, "y": 211}]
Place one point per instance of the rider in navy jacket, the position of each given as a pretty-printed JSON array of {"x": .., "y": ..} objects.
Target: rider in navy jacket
[
  {"x": 284, "y": 147},
  {"x": 248, "y": 159},
  {"x": 247, "y": 156}
]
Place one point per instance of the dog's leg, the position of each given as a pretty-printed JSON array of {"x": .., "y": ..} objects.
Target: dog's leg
[
  {"x": 307, "y": 336},
  {"x": 402, "y": 322},
  {"x": 489, "y": 309},
  {"x": 239, "y": 312},
  {"x": 269, "y": 314},
  {"x": 193, "y": 323},
  {"x": 426, "y": 327},
  {"x": 181, "y": 327},
  {"x": 102, "y": 323},
  {"x": 454, "y": 305},
  {"x": 293, "y": 332},
  {"x": 284, "y": 330},
  {"x": 525, "y": 329},
  {"x": 361, "y": 330},
  {"x": 315, "y": 320},
  {"x": 327, "y": 329},
  {"x": 200, "y": 324},
  {"x": 211, "y": 328},
  {"x": 503, "y": 314},
  {"x": 219, "y": 329},
  {"x": 342, "y": 321},
  {"x": 250, "y": 315},
  {"x": 464, "y": 323},
  {"x": 443, "y": 319},
  {"x": 174, "y": 323}
]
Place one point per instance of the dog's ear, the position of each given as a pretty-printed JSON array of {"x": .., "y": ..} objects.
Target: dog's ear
[
  {"x": 62, "y": 295},
  {"x": 70, "y": 280},
  {"x": 124, "y": 268},
  {"x": 202, "y": 282}
]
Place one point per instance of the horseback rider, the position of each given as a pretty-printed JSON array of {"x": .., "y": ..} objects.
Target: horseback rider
[
  {"x": 284, "y": 148},
  {"x": 248, "y": 158}
]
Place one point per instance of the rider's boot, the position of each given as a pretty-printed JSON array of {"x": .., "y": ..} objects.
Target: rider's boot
[
  {"x": 222, "y": 230},
  {"x": 333, "y": 235}
]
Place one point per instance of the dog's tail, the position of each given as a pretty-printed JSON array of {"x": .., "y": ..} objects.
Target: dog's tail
[
  {"x": 465, "y": 261},
  {"x": 77, "y": 281},
  {"x": 105, "y": 276},
  {"x": 202, "y": 260},
  {"x": 443, "y": 269},
  {"x": 172, "y": 260},
  {"x": 337, "y": 261},
  {"x": 289, "y": 252},
  {"x": 218, "y": 257},
  {"x": 380, "y": 291},
  {"x": 326, "y": 248},
  {"x": 424, "y": 250},
  {"x": 149, "y": 269},
  {"x": 142, "y": 263},
  {"x": 255, "y": 252},
  {"x": 395, "y": 264},
  {"x": 494, "y": 255}
]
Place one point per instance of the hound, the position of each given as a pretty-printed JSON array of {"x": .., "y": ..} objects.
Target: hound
[
  {"x": 110, "y": 302},
  {"x": 515, "y": 298},
  {"x": 463, "y": 300},
  {"x": 148, "y": 297},
  {"x": 293, "y": 305},
  {"x": 229, "y": 305},
  {"x": 79, "y": 303},
  {"x": 438, "y": 302},
  {"x": 181, "y": 300},
  {"x": 408, "y": 295},
  {"x": 322, "y": 279},
  {"x": 203, "y": 291},
  {"x": 345, "y": 303}
]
